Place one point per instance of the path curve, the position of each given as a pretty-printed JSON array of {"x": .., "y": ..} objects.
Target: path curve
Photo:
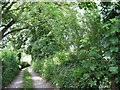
[{"x": 39, "y": 82}]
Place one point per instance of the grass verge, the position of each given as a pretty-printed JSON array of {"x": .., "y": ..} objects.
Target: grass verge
[{"x": 27, "y": 80}]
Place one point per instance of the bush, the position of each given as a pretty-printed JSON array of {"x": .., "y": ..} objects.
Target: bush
[
  {"x": 66, "y": 70},
  {"x": 9, "y": 66},
  {"x": 55, "y": 69}
]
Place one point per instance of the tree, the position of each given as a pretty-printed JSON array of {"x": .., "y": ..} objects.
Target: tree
[{"x": 7, "y": 19}]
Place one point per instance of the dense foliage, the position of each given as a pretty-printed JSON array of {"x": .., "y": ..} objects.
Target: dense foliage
[
  {"x": 94, "y": 60},
  {"x": 10, "y": 66},
  {"x": 73, "y": 45}
]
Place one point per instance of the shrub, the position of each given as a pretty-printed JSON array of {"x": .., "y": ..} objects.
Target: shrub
[
  {"x": 66, "y": 70},
  {"x": 9, "y": 66}
]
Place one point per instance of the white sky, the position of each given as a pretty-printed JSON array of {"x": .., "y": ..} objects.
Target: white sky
[{"x": 26, "y": 58}]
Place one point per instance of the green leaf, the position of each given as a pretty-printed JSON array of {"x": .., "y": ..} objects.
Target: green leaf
[
  {"x": 114, "y": 70},
  {"x": 92, "y": 67},
  {"x": 114, "y": 40},
  {"x": 113, "y": 20},
  {"x": 114, "y": 29},
  {"x": 106, "y": 44},
  {"x": 114, "y": 49},
  {"x": 107, "y": 25},
  {"x": 92, "y": 83},
  {"x": 86, "y": 76},
  {"x": 85, "y": 64},
  {"x": 107, "y": 55},
  {"x": 92, "y": 53}
]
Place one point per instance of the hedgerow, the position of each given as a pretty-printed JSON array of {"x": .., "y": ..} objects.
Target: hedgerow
[
  {"x": 10, "y": 66},
  {"x": 88, "y": 74}
]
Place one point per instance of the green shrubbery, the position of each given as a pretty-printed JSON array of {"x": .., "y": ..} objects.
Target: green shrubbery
[
  {"x": 94, "y": 64},
  {"x": 65, "y": 70},
  {"x": 88, "y": 53},
  {"x": 71, "y": 44},
  {"x": 9, "y": 66}
]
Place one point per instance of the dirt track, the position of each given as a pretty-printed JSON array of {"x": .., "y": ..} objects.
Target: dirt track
[{"x": 38, "y": 82}]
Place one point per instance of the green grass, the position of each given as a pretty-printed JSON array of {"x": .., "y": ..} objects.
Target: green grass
[{"x": 27, "y": 80}]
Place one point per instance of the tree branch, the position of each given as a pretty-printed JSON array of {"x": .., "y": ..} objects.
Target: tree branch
[
  {"x": 15, "y": 31},
  {"x": 7, "y": 9},
  {"x": 8, "y": 26},
  {"x": 5, "y": 5},
  {"x": 13, "y": 21},
  {"x": 2, "y": 26}
]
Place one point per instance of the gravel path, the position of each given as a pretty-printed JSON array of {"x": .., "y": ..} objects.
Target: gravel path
[
  {"x": 38, "y": 82},
  {"x": 17, "y": 83}
]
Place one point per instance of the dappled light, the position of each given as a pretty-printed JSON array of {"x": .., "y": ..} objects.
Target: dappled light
[
  {"x": 36, "y": 78},
  {"x": 26, "y": 58},
  {"x": 18, "y": 82}
]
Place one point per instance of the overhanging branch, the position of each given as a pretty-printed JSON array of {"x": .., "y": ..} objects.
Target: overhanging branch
[
  {"x": 16, "y": 30},
  {"x": 8, "y": 26},
  {"x": 5, "y": 5},
  {"x": 7, "y": 9},
  {"x": 13, "y": 21}
]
